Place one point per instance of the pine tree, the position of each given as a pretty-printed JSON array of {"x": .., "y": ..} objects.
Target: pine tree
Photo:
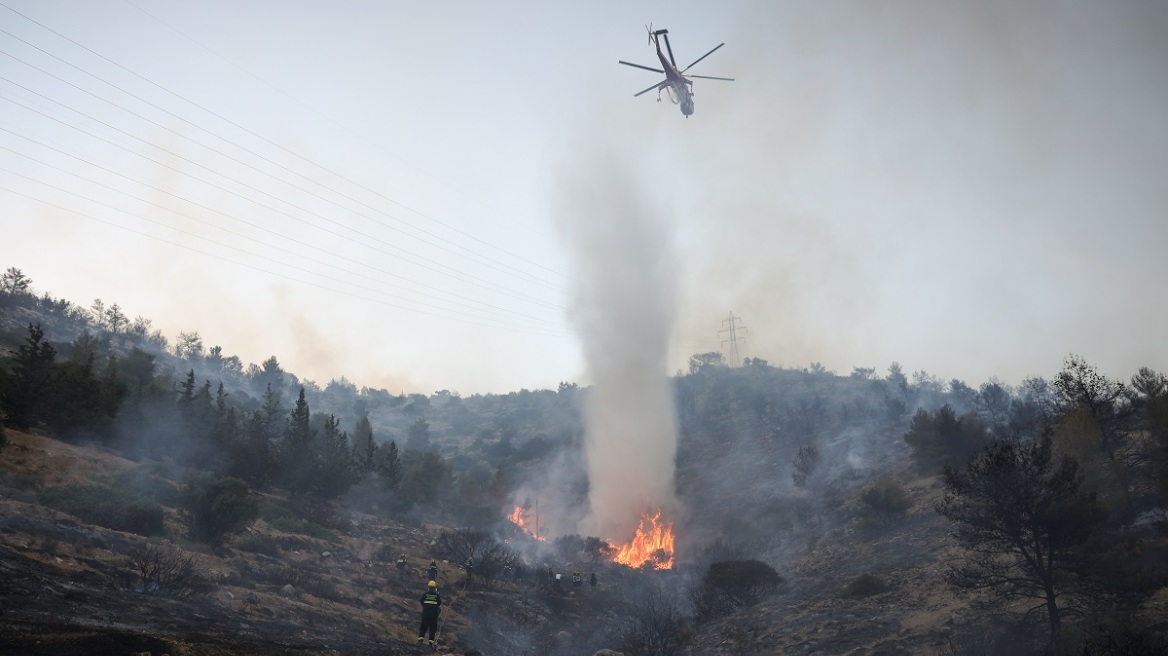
[
  {"x": 300, "y": 459},
  {"x": 23, "y": 390}
]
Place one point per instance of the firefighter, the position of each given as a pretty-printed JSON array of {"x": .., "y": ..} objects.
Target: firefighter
[
  {"x": 433, "y": 573},
  {"x": 401, "y": 565},
  {"x": 469, "y": 568},
  {"x": 577, "y": 580},
  {"x": 592, "y": 580},
  {"x": 431, "y": 606}
]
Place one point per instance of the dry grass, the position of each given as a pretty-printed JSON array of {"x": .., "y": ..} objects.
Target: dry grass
[{"x": 51, "y": 462}]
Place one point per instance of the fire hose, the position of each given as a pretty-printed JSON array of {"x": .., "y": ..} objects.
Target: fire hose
[{"x": 450, "y": 608}]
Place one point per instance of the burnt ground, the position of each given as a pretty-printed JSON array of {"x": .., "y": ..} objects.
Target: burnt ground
[{"x": 68, "y": 587}]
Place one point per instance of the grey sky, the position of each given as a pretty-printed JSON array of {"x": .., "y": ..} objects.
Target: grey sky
[{"x": 970, "y": 189}]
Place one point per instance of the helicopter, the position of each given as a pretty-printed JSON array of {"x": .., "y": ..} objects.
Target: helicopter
[{"x": 676, "y": 83}]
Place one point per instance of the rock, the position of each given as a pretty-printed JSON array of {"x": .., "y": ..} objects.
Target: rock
[
  {"x": 288, "y": 590},
  {"x": 326, "y": 554},
  {"x": 608, "y": 652}
]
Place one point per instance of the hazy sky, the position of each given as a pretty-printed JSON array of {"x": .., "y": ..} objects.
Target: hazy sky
[{"x": 367, "y": 188}]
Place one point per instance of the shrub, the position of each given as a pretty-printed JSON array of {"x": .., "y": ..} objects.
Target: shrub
[
  {"x": 261, "y": 544},
  {"x": 281, "y": 575},
  {"x": 865, "y": 585},
  {"x": 144, "y": 483},
  {"x": 21, "y": 481},
  {"x": 285, "y": 520},
  {"x": 321, "y": 587},
  {"x": 164, "y": 570},
  {"x": 885, "y": 500},
  {"x": 732, "y": 584},
  {"x": 3, "y": 437},
  {"x": 112, "y": 508},
  {"x": 655, "y": 627},
  {"x": 216, "y": 507}
]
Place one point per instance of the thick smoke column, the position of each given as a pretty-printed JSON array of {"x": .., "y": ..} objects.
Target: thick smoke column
[{"x": 623, "y": 313}]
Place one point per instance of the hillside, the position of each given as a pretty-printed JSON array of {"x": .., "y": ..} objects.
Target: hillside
[{"x": 806, "y": 517}]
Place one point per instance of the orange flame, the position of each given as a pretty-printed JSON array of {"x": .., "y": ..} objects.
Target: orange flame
[
  {"x": 653, "y": 543},
  {"x": 517, "y": 519}
]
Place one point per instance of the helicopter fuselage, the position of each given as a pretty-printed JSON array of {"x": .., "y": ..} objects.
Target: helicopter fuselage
[{"x": 681, "y": 95}]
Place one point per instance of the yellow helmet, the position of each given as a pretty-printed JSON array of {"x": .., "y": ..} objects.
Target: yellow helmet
[{"x": 433, "y": 584}]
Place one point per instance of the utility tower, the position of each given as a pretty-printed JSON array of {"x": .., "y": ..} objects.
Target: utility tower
[{"x": 736, "y": 333}]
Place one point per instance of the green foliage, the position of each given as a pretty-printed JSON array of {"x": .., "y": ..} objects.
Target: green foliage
[
  {"x": 733, "y": 584},
  {"x": 941, "y": 437},
  {"x": 144, "y": 483},
  {"x": 418, "y": 436},
  {"x": 1021, "y": 514},
  {"x": 216, "y": 507},
  {"x": 261, "y": 544},
  {"x": 117, "y": 509},
  {"x": 865, "y": 585},
  {"x": 389, "y": 467},
  {"x": 426, "y": 477},
  {"x": 13, "y": 282},
  {"x": 24, "y": 388},
  {"x": 66, "y": 396},
  {"x": 285, "y": 520},
  {"x": 1081, "y": 386}
]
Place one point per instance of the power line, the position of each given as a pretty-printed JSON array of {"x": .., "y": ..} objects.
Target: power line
[
  {"x": 258, "y": 136},
  {"x": 491, "y": 263},
  {"x": 252, "y": 266},
  {"x": 361, "y": 138},
  {"x": 241, "y": 220},
  {"x": 437, "y": 267}
]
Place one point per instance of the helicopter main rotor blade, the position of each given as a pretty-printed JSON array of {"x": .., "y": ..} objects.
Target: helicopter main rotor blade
[
  {"x": 655, "y": 86},
  {"x": 655, "y": 70},
  {"x": 702, "y": 57},
  {"x": 707, "y": 77}
]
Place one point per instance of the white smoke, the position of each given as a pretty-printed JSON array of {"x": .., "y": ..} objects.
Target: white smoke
[{"x": 623, "y": 312}]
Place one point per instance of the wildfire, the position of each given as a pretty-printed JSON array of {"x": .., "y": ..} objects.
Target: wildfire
[
  {"x": 517, "y": 519},
  {"x": 653, "y": 543}
]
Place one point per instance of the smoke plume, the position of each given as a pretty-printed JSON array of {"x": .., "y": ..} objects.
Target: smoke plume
[{"x": 623, "y": 312}]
